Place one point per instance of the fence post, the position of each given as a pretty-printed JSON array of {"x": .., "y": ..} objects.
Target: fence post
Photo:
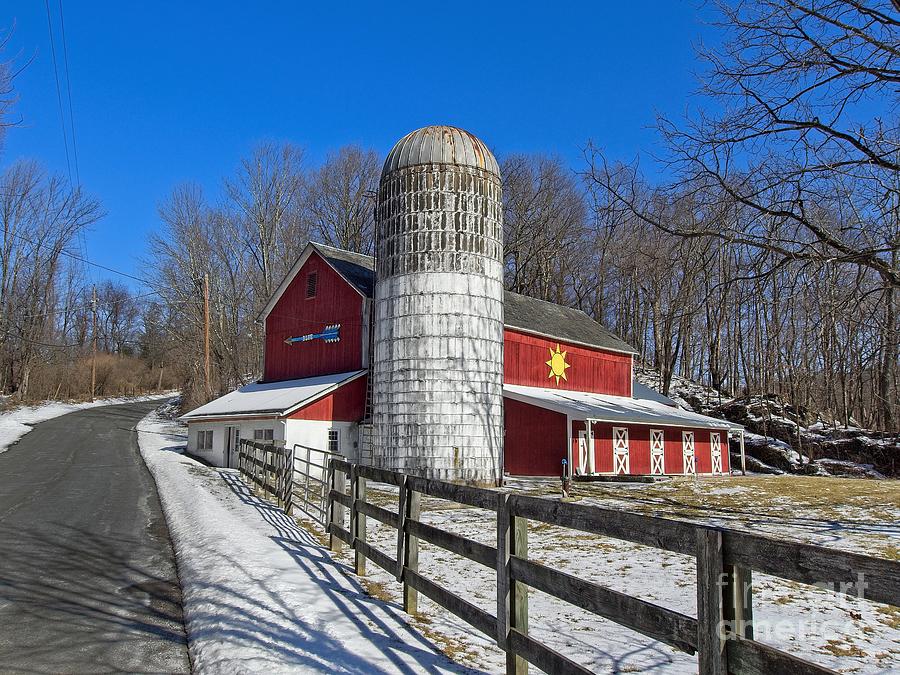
[
  {"x": 710, "y": 621},
  {"x": 401, "y": 528},
  {"x": 338, "y": 484},
  {"x": 512, "y": 596},
  {"x": 737, "y": 597},
  {"x": 260, "y": 470},
  {"x": 357, "y": 519},
  {"x": 329, "y": 504},
  {"x": 411, "y": 550}
]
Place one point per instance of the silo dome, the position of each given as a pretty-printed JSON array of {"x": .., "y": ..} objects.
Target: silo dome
[
  {"x": 441, "y": 145},
  {"x": 437, "y": 366}
]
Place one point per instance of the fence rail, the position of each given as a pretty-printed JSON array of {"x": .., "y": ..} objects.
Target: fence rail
[
  {"x": 266, "y": 467},
  {"x": 721, "y": 634}
]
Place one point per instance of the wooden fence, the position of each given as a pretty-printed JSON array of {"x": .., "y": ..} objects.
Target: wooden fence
[
  {"x": 721, "y": 634},
  {"x": 268, "y": 468}
]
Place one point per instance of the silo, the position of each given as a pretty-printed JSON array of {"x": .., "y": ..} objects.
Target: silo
[{"x": 437, "y": 371}]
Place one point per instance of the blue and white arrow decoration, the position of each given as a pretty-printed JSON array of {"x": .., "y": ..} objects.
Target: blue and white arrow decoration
[{"x": 329, "y": 334}]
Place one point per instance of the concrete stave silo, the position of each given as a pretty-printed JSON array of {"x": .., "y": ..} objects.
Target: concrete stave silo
[{"x": 437, "y": 395}]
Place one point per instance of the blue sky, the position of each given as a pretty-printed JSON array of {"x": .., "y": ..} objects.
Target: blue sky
[{"x": 166, "y": 92}]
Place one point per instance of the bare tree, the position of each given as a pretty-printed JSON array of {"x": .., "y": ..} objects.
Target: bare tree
[
  {"x": 266, "y": 198},
  {"x": 796, "y": 158},
  {"x": 544, "y": 222},
  {"x": 339, "y": 199},
  {"x": 40, "y": 219}
]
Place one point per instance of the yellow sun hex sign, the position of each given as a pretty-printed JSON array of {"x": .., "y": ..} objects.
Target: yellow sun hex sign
[{"x": 558, "y": 364}]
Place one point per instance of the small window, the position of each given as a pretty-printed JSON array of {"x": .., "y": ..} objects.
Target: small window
[
  {"x": 263, "y": 434},
  {"x": 334, "y": 440},
  {"x": 204, "y": 440},
  {"x": 312, "y": 280}
]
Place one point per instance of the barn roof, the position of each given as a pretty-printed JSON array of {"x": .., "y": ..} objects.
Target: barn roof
[
  {"x": 357, "y": 268},
  {"x": 583, "y": 405},
  {"x": 558, "y": 322},
  {"x": 271, "y": 399}
]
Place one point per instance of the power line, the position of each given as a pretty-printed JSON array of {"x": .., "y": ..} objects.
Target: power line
[
  {"x": 62, "y": 117},
  {"x": 90, "y": 262},
  {"x": 75, "y": 308},
  {"x": 65, "y": 51}
]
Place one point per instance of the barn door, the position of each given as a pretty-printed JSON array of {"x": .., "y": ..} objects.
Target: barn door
[
  {"x": 229, "y": 447},
  {"x": 687, "y": 451},
  {"x": 715, "y": 444},
  {"x": 620, "y": 450},
  {"x": 657, "y": 451},
  {"x": 582, "y": 453}
]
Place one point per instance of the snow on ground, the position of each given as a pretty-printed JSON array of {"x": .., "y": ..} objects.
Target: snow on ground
[
  {"x": 17, "y": 422},
  {"x": 260, "y": 593},
  {"x": 844, "y": 633}
]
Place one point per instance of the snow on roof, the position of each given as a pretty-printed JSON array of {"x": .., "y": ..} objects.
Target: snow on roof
[
  {"x": 639, "y": 390},
  {"x": 271, "y": 398},
  {"x": 604, "y": 408}
]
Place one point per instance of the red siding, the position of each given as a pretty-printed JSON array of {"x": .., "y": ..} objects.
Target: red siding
[
  {"x": 702, "y": 453},
  {"x": 594, "y": 370},
  {"x": 639, "y": 449},
  {"x": 674, "y": 459},
  {"x": 346, "y": 404},
  {"x": 535, "y": 440},
  {"x": 336, "y": 301}
]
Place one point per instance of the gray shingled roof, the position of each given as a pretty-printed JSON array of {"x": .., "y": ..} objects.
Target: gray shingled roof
[
  {"x": 556, "y": 321},
  {"x": 520, "y": 311},
  {"x": 358, "y": 268}
]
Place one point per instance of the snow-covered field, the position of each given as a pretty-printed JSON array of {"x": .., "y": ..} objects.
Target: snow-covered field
[
  {"x": 17, "y": 422},
  {"x": 260, "y": 593},
  {"x": 844, "y": 633}
]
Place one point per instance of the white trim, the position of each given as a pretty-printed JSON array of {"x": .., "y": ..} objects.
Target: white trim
[
  {"x": 657, "y": 451},
  {"x": 582, "y": 453},
  {"x": 230, "y": 416},
  {"x": 688, "y": 452},
  {"x": 337, "y": 432},
  {"x": 591, "y": 447},
  {"x": 715, "y": 451},
  {"x": 621, "y": 451}
]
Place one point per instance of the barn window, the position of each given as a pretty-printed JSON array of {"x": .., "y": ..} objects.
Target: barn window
[
  {"x": 312, "y": 281},
  {"x": 263, "y": 434},
  {"x": 204, "y": 440},
  {"x": 334, "y": 441}
]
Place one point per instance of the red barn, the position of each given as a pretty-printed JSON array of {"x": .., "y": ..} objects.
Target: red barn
[{"x": 569, "y": 392}]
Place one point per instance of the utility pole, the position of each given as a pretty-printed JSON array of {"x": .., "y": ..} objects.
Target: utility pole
[
  {"x": 206, "y": 331},
  {"x": 93, "y": 341}
]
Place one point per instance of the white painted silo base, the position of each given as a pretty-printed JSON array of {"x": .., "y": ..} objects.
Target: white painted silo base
[{"x": 438, "y": 376}]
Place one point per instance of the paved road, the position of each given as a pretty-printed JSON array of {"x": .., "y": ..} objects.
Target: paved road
[{"x": 87, "y": 572}]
